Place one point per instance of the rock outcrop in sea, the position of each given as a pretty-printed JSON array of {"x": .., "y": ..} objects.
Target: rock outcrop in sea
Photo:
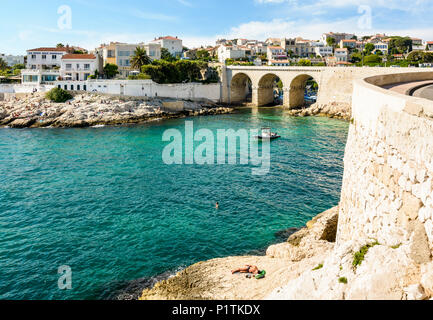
[
  {"x": 332, "y": 110},
  {"x": 93, "y": 109}
]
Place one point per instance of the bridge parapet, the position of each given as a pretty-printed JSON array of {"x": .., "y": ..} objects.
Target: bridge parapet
[{"x": 335, "y": 83}]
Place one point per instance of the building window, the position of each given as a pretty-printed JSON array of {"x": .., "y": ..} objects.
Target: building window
[
  {"x": 78, "y": 66},
  {"x": 68, "y": 66},
  {"x": 78, "y": 87},
  {"x": 33, "y": 56},
  {"x": 44, "y": 57},
  {"x": 54, "y": 57},
  {"x": 29, "y": 78},
  {"x": 85, "y": 88},
  {"x": 66, "y": 87},
  {"x": 72, "y": 87},
  {"x": 86, "y": 66}
]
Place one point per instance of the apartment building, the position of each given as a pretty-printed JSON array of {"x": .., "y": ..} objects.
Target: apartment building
[
  {"x": 172, "y": 44},
  {"x": 45, "y": 58},
  {"x": 276, "y": 54},
  {"x": 341, "y": 55},
  {"x": 417, "y": 44},
  {"x": 336, "y": 36},
  {"x": 121, "y": 54},
  {"x": 230, "y": 52},
  {"x": 78, "y": 67},
  {"x": 43, "y": 65},
  {"x": 348, "y": 43}
]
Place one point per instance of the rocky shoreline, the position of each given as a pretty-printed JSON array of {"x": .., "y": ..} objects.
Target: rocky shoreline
[
  {"x": 332, "y": 110},
  {"x": 87, "y": 110},
  {"x": 309, "y": 265}
]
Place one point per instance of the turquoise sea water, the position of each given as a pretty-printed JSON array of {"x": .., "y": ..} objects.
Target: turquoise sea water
[{"x": 102, "y": 201}]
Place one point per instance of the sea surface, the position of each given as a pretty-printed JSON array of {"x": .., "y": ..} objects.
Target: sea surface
[{"x": 102, "y": 201}]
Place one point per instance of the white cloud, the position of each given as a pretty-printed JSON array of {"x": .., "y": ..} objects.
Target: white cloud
[
  {"x": 185, "y": 3},
  {"x": 313, "y": 29}
]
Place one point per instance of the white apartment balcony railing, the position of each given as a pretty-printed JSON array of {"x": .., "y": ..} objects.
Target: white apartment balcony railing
[
  {"x": 77, "y": 69},
  {"x": 39, "y": 71}
]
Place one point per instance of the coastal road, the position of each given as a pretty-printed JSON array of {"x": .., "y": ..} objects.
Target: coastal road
[{"x": 424, "y": 92}]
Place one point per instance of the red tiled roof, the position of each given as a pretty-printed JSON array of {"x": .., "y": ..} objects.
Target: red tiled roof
[
  {"x": 167, "y": 38},
  {"x": 78, "y": 56},
  {"x": 429, "y": 42},
  {"x": 50, "y": 49}
]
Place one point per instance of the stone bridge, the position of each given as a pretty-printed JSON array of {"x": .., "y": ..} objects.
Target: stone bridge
[{"x": 335, "y": 83}]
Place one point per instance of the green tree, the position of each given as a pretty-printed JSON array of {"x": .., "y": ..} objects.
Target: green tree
[
  {"x": 203, "y": 55},
  {"x": 60, "y": 45},
  {"x": 19, "y": 66},
  {"x": 3, "y": 64},
  {"x": 111, "y": 70},
  {"x": 305, "y": 62},
  {"x": 369, "y": 47},
  {"x": 330, "y": 42},
  {"x": 166, "y": 55},
  {"x": 402, "y": 44},
  {"x": 162, "y": 71},
  {"x": 372, "y": 59},
  {"x": 140, "y": 58}
]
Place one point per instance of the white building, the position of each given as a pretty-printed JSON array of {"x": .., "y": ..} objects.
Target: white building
[
  {"x": 172, "y": 44},
  {"x": 230, "y": 52},
  {"x": 43, "y": 65},
  {"x": 417, "y": 44},
  {"x": 12, "y": 60},
  {"x": 342, "y": 55},
  {"x": 45, "y": 58},
  {"x": 336, "y": 36},
  {"x": 323, "y": 51},
  {"x": 78, "y": 67}
]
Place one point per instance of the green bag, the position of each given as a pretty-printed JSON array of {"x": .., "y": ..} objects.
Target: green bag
[{"x": 261, "y": 275}]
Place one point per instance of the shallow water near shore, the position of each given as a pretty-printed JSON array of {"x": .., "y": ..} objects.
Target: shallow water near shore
[{"x": 102, "y": 201}]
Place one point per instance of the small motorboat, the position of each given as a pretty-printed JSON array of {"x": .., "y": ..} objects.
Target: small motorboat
[{"x": 268, "y": 134}]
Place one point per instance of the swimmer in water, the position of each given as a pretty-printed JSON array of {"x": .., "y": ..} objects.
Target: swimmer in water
[{"x": 217, "y": 205}]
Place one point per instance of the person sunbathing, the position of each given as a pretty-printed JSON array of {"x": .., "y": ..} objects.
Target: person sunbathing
[{"x": 247, "y": 269}]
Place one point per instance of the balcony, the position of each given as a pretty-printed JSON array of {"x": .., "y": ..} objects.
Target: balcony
[{"x": 40, "y": 71}]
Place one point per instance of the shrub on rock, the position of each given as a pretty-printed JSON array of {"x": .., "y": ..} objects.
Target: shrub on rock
[{"x": 58, "y": 95}]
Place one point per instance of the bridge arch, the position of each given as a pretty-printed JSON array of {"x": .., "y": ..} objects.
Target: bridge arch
[
  {"x": 298, "y": 88},
  {"x": 240, "y": 89},
  {"x": 267, "y": 90}
]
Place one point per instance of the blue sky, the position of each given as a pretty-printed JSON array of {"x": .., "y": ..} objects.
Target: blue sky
[{"x": 27, "y": 24}]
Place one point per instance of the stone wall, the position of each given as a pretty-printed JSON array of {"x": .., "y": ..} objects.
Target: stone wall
[
  {"x": 387, "y": 192},
  {"x": 148, "y": 88}
]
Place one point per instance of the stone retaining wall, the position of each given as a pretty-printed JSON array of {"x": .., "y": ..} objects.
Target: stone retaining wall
[{"x": 387, "y": 192}]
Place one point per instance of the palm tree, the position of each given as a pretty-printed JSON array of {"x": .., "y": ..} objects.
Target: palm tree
[{"x": 140, "y": 58}]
